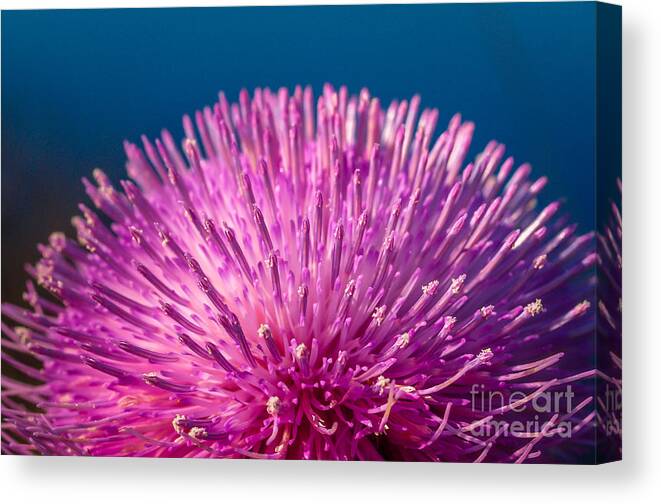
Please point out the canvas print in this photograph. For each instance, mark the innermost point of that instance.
(300, 234)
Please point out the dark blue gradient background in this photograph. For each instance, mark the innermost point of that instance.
(76, 83)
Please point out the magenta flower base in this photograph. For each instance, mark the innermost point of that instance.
(326, 277)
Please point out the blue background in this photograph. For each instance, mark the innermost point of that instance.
(76, 83)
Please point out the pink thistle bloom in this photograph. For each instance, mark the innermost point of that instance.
(306, 280)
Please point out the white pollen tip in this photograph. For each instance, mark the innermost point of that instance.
(485, 354)
(403, 340)
(534, 308)
(381, 383)
(379, 314)
(457, 284)
(273, 405)
(175, 423)
(430, 288)
(263, 330)
(301, 350)
(449, 322)
(198, 433)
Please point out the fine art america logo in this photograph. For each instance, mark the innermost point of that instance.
(552, 412)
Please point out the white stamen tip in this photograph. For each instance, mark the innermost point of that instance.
(534, 308)
(273, 405)
(457, 284)
(381, 383)
(430, 288)
(485, 355)
(175, 423)
(379, 314)
(197, 433)
(263, 330)
(301, 351)
(403, 340)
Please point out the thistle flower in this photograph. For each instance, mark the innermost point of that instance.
(305, 281)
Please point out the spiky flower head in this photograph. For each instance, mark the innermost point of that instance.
(301, 279)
